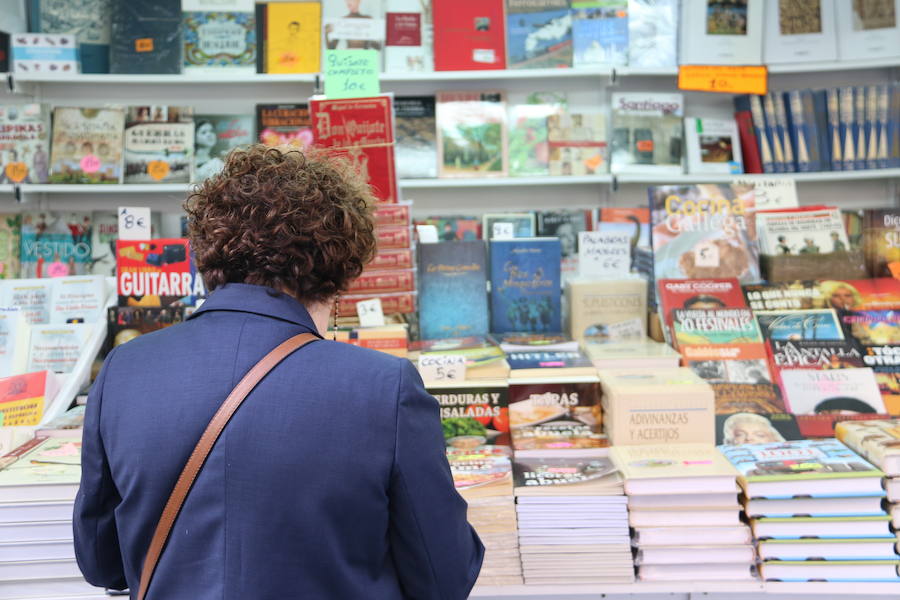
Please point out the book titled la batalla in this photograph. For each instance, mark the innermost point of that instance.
(157, 273)
(362, 130)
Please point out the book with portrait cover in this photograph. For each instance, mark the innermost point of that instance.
(87, 145)
(288, 37)
(157, 273)
(452, 289)
(146, 37)
(219, 34)
(740, 428)
(55, 244)
(810, 391)
(159, 144)
(525, 285)
(356, 25)
(538, 34)
(556, 415)
(696, 294)
(469, 35)
(214, 137)
(284, 125)
(565, 225)
(24, 143)
(409, 36)
(472, 134)
(362, 129)
(881, 242)
(416, 146)
(88, 20)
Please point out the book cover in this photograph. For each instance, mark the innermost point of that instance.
(87, 145)
(452, 289)
(474, 413)
(565, 225)
(219, 34)
(24, 398)
(549, 360)
(697, 294)
(214, 137)
(652, 33)
(801, 232)
(87, 20)
(563, 475)
(453, 228)
(353, 26)
(416, 145)
(387, 260)
(291, 43)
(482, 472)
(156, 273)
(694, 327)
(146, 37)
(393, 215)
(738, 429)
(721, 32)
(868, 29)
(498, 225)
(813, 354)
(159, 144)
(834, 128)
(797, 460)
(471, 134)
(284, 124)
(605, 311)
(529, 152)
(753, 104)
(14, 336)
(670, 461)
(810, 391)
(25, 143)
(861, 134)
(10, 245)
(847, 106)
(578, 143)
(876, 440)
(52, 461)
(600, 32)
(525, 285)
(647, 133)
(776, 132)
(104, 233)
(383, 282)
(124, 323)
(712, 146)
(30, 295)
(555, 416)
(409, 36)
(799, 31)
(810, 324)
(873, 327)
(58, 347)
(634, 222)
(469, 35)
(702, 232)
(757, 398)
(538, 34)
(50, 54)
(881, 241)
(804, 133)
(872, 130)
(403, 303)
(362, 129)
(797, 295)
(78, 299)
(393, 238)
(55, 244)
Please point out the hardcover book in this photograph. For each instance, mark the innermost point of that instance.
(471, 134)
(813, 324)
(416, 146)
(219, 34)
(600, 32)
(801, 31)
(647, 133)
(156, 273)
(469, 35)
(658, 464)
(452, 289)
(354, 26)
(738, 429)
(289, 34)
(409, 36)
(57, 348)
(578, 143)
(214, 137)
(712, 146)
(538, 34)
(87, 145)
(808, 391)
(606, 311)
(876, 440)
(284, 124)
(716, 32)
(25, 142)
(55, 244)
(529, 152)
(10, 245)
(555, 416)
(159, 144)
(525, 285)
(30, 295)
(146, 37)
(87, 20)
(652, 33)
(473, 413)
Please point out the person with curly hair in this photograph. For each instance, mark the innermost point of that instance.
(331, 480)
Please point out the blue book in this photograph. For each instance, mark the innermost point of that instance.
(763, 134)
(893, 137)
(599, 34)
(783, 127)
(538, 34)
(804, 131)
(452, 289)
(862, 138)
(89, 20)
(774, 133)
(820, 124)
(834, 129)
(884, 115)
(848, 128)
(872, 127)
(526, 285)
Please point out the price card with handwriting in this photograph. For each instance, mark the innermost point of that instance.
(503, 231)
(723, 79)
(771, 192)
(370, 313)
(603, 254)
(442, 367)
(134, 223)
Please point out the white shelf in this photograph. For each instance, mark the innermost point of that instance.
(105, 188)
(178, 79)
(643, 178)
(849, 65)
(458, 182)
(495, 74)
(593, 591)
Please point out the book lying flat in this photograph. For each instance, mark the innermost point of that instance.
(679, 536)
(831, 570)
(815, 507)
(876, 440)
(828, 549)
(696, 572)
(822, 527)
(677, 555)
(717, 517)
(674, 469)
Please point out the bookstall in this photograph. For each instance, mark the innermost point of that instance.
(705, 376)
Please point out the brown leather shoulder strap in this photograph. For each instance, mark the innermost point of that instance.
(204, 447)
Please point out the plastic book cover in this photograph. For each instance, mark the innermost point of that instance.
(810, 324)
(473, 414)
(159, 144)
(455, 228)
(58, 347)
(55, 244)
(292, 42)
(452, 284)
(496, 225)
(801, 232)
(529, 152)
(24, 143)
(54, 461)
(88, 20)
(796, 460)
(703, 231)
(600, 32)
(284, 125)
(673, 461)
(471, 134)
(571, 473)
(87, 145)
(177, 282)
(10, 245)
(409, 36)
(578, 143)
(538, 34)
(219, 34)
(146, 37)
(416, 146)
(525, 285)
(809, 391)
(214, 137)
(469, 35)
(555, 416)
(738, 429)
(652, 33)
(647, 133)
(357, 25)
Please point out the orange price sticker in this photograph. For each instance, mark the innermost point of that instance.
(158, 169)
(16, 172)
(894, 267)
(723, 79)
(143, 45)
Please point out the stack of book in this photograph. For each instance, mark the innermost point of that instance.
(573, 520)
(38, 483)
(815, 507)
(682, 503)
(483, 477)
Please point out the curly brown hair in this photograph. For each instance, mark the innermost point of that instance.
(297, 221)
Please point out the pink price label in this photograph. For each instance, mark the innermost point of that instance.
(90, 163)
(57, 269)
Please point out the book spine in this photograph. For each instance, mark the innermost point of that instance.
(820, 125)
(848, 129)
(20, 451)
(747, 134)
(262, 11)
(834, 129)
(765, 142)
(784, 131)
(884, 102)
(774, 132)
(872, 127)
(799, 136)
(859, 108)
(894, 127)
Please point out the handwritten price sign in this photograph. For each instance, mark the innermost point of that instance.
(370, 313)
(134, 223)
(442, 367)
(723, 79)
(604, 255)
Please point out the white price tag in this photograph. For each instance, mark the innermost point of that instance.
(771, 192)
(503, 231)
(134, 223)
(706, 255)
(603, 254)
(428, 234)
(484, 55)
(442, 367)
(632, 329)
(370, 313)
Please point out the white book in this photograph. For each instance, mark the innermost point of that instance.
(409, 37)
(14, 336)
(25, 512)
(715, 32)
(31, 295)
(713, 146)
(78, 299)
(831, 570)
(38, 569)
(677, 518)
(839, 527)
(43, 550)
(57, 347)
(36, 531)
(676, 555)
(673, 536)
(849, 549)
(696, 572)
(814, 507)
(809, 391)
(868, 30)
(800, 31)
(66, 587)
(359, 27)
(682, 501)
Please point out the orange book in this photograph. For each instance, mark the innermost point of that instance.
(25, 398)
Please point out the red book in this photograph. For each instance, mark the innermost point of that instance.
(469, 35)
(393, 238)
(387, 260)
(383, 282)
(749, 145)
(156, 273)
(392, 215)
(697, 294)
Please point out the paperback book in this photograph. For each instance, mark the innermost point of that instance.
(469, 35)
(473, 413)
(538, 34)
(409, 37)
(529, 152)
(712, 146)
(32, 296)
(219, 34)
(738, 429)
(157, 273)
(58, 347)
(525, 285)
(652, 33)
(416, 145)
(793, 325)
(354, 26)
(288, 37)
(721, 33)
(647, 133)
(809, 391)
(214, 137)
(26, 397)
(452, 284)
(565, 225)
(124, 323)
(87, 20)
(607, 311)
(10, 245)
(557, 416)
(799, 32)
(146, 37)
(578, 143)
(284, 124)
(600, 30)
(87, 145)
(24, 143)
(881, 241)
(471, 134)
(159, 144)
(55, 244)
(803, 231)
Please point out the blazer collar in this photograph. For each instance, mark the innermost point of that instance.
(260, 300)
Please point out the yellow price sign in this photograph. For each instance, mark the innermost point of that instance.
(158, 169)
(723, 79)
(16, 171)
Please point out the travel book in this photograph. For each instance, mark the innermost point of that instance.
(284, 124)
(157, 272)
(471, 134)
(525, 285)
(25, 142)
(214, 137)
(288, 37)
(409, 36)
(87, 20)
(538, 34)
(473, 413)
(600, 32)
(452, 289)
(878, 441)
(555, 415)
(674, 469)
(55, 244)
(159, 144)
(647, 133)
(219, 34)
(809, 391)
(578, 143)
(146, 37)
(87, 145)
(469, 35)
(416, 145)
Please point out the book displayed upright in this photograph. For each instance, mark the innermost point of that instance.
(14, 336)
(10, 245)
(452, 282)
(55, 244)
(416, 145)
(471, 134)
(214, 137)
(607, 310)
(159, 144)
(712, 146)
(219, 34)
(538, 34)
(647, 133)
(881, 242)
(409, 36)
(58, 347)
(25, 140)
(157, 272)
(525, 285)
(600, 33)
(353, 25)
(146, 37)
(555, 414)
(469, 35)
(87, 20)
(868, 29)
(652, 33)
(288, 37)
(715, 32)
(799, 31)
(87, 145)
(578, 143)
(284, 125)
(32, 296)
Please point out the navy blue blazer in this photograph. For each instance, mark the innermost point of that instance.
(331, 481)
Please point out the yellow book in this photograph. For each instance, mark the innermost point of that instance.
(292, 32)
